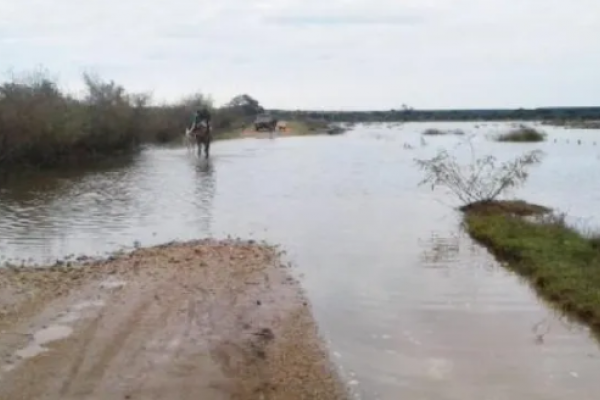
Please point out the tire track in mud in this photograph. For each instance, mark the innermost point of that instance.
(175, 352)
(87, 381)
(80, 350)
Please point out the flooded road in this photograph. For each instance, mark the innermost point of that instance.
(410, 305)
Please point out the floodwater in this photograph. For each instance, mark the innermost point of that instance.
(410, 306)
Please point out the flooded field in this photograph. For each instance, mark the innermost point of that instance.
(411, 307)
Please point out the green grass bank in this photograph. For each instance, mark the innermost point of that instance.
(562, 264)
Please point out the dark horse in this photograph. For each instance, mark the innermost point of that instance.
(202, 135)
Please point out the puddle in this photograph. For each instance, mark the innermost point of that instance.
(42, 337)
(30, 351)
(8, 367)
(112, 284)
(52, 333)
(88, 304)
(75, 312)
(68, 318)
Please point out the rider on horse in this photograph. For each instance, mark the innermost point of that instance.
(202, 116)
(200, 132)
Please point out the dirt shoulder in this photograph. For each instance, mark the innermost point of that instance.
(205, 319)
(561, 263)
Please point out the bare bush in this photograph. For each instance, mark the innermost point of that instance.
(484, 179)
(32, 111)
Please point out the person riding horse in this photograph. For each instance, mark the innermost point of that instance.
(201, 116)
(201, 120)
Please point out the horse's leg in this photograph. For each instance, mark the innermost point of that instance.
(207, 147)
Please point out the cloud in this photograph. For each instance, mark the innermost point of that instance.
(311, 54)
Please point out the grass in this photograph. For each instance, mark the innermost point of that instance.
(439, 132)
(512, 207)
(307, 127)
(434, 132)
(522, 134)
(575, 124)
(299, 128)
(293, 128)
(562, 264)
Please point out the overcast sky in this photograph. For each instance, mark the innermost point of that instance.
(325, 54)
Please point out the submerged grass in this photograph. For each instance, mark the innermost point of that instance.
(439, 132)
(307, 127)
(561, 263)
(574, 124)
(522, 134)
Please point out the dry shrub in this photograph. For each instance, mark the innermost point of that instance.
(484, 179)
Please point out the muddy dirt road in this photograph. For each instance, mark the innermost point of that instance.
(209, 320)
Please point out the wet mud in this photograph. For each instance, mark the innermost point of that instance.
(204, 319)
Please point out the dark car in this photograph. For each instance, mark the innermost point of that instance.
(265, 122)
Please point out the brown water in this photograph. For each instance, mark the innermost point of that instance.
(411, 307)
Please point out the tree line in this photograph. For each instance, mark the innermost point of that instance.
(407, 114)
(43, 126)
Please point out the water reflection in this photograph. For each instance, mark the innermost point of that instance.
(205, 168)
(440, 251)
(205, 187)
(53, 215)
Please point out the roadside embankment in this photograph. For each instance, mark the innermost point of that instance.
(205, 319)
(561, 263)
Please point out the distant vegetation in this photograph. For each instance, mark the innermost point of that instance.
(522, 134)
(576, 123)
(408, 114)
(434, 132)
(43, 126)
(439, 132)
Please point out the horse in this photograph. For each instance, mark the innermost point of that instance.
(202, 136)
(198, 136)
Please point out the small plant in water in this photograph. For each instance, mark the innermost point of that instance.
(439, 132)
(481, 181)
(434, 132)
(522, 134)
